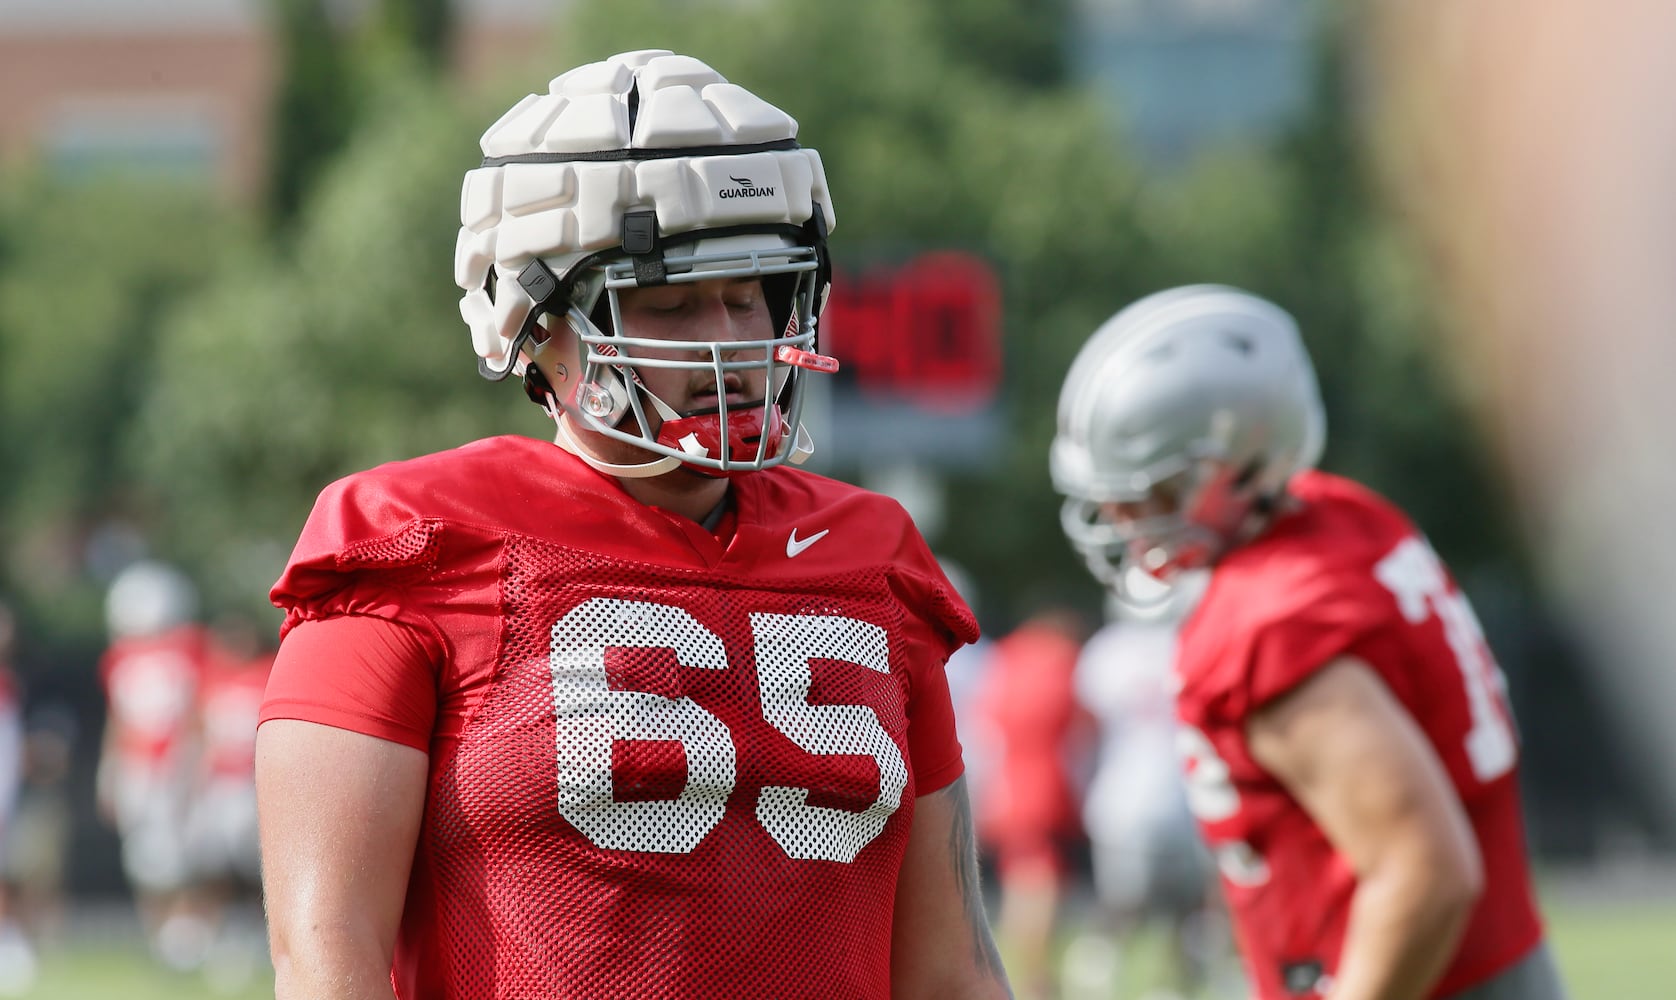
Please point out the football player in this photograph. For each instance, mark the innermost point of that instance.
(1148, 862)
(221, 830)
(1348, 748)
(1029, 815)
(152, 672)
(18, 964)
(642, 711)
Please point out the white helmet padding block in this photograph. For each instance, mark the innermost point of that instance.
(562, 169)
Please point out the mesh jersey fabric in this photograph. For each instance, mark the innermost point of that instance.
(1347, 574)
(662, 766)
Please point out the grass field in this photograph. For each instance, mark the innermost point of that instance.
(124, 972)
(1608, 949)
(1616, 951)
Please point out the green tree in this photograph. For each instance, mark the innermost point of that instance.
(88, 271)
(1016, 42)
(422, 28)
(336, 351)
(1364, 301)
(329, 63)
(314, 105)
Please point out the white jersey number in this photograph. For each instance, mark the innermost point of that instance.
(592, 716)
(784, 646)
(1212, 797)
(1210, 792)
(1415, 576)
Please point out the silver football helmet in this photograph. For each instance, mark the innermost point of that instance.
(1180, 423)
(647, 168)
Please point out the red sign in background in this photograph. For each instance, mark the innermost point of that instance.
(926, 333)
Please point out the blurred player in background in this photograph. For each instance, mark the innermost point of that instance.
(1349, 751)
(17, 954)
(38, 835)
(966, 669)
(1150, 865)
(642, 712)
(152, 673)
(222, 826)
(1028, 817)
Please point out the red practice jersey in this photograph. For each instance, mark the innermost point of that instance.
(1031, 812)
(151, 690)
(229, 707)
(1347, 574)
(663, 763)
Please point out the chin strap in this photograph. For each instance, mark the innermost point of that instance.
(541, 391)
(803, 445)
(1151, 599)
(566, 439)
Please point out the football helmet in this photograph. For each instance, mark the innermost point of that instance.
(149, 598)
(1180, 423)
(644, 169)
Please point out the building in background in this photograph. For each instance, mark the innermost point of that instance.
(1184, 74)
(179, 89)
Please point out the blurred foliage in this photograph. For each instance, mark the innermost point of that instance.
(328, 66)
(313, 107)
(1016, 42)
(86, 275)
(233, 373)
(423, 29)
(339, 350)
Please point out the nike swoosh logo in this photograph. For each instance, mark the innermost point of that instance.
(795, 545)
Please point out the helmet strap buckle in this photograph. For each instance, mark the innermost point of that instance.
(640, 242)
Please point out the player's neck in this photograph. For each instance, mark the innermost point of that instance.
(1259, 524)
(680, 492)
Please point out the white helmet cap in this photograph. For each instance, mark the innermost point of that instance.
(148, 598)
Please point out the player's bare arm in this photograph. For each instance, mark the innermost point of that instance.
(339, 815)
(942, 942)
(963, 854)
(1346, 749)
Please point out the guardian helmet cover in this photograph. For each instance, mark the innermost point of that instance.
(644, 169)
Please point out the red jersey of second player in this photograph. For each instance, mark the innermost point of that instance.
(663, 763)
(1347, 574)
